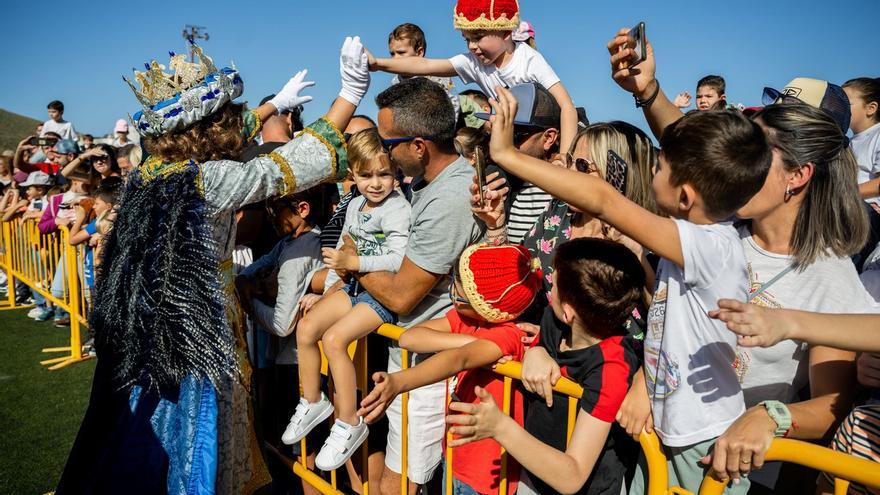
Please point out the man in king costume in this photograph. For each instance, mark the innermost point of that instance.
(168, 408)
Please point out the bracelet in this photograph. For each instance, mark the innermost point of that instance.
(644, 103)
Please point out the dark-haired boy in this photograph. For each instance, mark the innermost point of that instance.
(712, 163)
(710, 94)
(56, 122)
(408, 40)
(596, 284)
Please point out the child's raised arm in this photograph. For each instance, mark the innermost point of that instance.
(565, 471)
(568, 124)
(433, 336)
(440, 366)
(587, 193)
(413, 66)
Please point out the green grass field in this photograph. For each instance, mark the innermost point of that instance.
(40, 410)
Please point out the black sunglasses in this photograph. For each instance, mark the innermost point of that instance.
(389, 144)
(772, 96)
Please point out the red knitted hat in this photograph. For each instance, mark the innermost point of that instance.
(499, 281)
(490, 15)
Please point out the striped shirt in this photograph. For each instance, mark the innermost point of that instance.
(330, 233)
(528, 205)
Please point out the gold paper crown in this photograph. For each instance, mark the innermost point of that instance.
(158, 86)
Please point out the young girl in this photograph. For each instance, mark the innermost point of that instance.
(864, 97)
(377, 222)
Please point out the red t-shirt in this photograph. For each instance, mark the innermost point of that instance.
(479, 463)
(45, 167)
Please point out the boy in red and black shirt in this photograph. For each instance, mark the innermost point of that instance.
(596, 284)
(493, 286)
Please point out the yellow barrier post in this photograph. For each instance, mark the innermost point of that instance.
(59, 250)
(6, 262)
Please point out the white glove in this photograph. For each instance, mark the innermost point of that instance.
(289, 97)
(355, 71)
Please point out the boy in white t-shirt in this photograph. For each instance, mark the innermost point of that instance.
(712, 163)
(56, 122)
(493, 58)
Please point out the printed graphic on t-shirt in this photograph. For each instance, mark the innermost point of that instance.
(765, 299)
(367, 245)
(662, 371)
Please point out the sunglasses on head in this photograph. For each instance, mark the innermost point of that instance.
(772, 96)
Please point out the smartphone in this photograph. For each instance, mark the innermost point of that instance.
(42, 141)
(616, 172)
(480, 166)
(637, 33)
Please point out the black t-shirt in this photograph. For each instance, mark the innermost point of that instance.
(605, 372)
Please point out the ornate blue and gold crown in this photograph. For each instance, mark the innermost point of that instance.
(195, 90)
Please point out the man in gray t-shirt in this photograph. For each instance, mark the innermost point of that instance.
(417, 125)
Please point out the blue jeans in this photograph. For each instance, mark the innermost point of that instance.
(458, 487)
(358, 294)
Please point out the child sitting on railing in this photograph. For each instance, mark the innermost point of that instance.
(378, 223)
(596, 283)
(493, 285)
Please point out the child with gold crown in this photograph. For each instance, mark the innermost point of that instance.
(168, 409)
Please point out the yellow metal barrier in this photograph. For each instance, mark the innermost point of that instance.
(842, 466)
(510, 371)
(34, 258)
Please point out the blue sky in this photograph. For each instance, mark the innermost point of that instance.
(78, 51)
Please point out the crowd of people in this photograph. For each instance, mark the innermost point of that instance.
(719, 288)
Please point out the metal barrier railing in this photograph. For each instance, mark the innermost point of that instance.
(35, 259)
(842, 466)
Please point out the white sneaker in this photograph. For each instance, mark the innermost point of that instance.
(305, 418)
(34, 312)
(343, 441)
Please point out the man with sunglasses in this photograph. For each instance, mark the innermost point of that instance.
(417, 126)
(535, 133)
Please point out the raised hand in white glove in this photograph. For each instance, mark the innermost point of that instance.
(289, 97)
(355, 70)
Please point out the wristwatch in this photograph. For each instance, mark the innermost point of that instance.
(780, 414)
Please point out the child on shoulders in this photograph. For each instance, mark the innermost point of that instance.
(493, 58)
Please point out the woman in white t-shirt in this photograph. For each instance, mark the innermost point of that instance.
(800, 230)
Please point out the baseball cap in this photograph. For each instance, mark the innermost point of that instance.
(121, 126)
(66, 146)
(37, 179)
(817, 93)
(537, 107)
